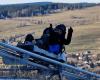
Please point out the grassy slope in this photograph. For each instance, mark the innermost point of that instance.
(84, 37)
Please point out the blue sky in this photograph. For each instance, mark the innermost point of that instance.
(28, 1)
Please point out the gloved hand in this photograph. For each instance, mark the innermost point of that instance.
(70, 30)
(50, 25)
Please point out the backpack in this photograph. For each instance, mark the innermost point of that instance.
(54, 48)
(61, 27)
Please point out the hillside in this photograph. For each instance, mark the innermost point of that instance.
(86, 24)
(86, 35)
(39, 8)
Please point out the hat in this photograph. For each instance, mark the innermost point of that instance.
(61, 27)
(29, 37)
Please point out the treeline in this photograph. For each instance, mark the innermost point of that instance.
(39, 8)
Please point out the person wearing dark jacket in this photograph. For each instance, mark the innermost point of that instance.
(43, 42)
(57, 37)
(60, 31)
(28, 43)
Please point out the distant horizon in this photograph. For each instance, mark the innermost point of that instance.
(11, 2)
(43, 1)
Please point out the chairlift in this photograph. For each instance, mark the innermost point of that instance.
(14, 55)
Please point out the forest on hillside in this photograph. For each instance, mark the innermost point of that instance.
(39, 8)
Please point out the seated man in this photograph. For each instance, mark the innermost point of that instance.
(43, 42)
(57, 39)
(28, 43)
(58, 35)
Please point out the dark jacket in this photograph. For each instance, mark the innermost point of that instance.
(55, 38)
(60, 39)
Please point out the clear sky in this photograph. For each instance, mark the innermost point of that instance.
(29, 1)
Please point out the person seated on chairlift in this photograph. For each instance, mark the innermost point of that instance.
(43, 41)
(28, 43)
(57, 39)
(56, 36)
